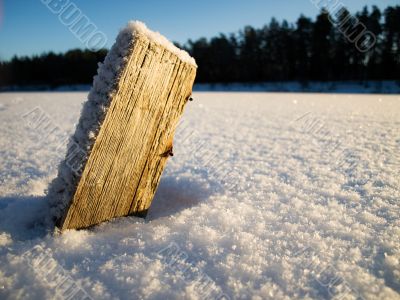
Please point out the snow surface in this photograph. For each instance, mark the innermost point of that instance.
(268, 196)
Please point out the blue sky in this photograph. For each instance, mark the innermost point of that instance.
(28, 27)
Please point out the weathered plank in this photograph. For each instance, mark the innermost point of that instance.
(123, 170)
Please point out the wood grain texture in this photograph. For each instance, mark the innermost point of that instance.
(124, 167)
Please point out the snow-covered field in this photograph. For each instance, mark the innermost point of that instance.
(268, 196)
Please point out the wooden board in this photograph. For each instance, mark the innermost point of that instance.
(123, 170)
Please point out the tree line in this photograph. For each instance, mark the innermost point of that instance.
(50, 69)
(317, 49)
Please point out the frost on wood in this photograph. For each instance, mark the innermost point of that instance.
(116, 156)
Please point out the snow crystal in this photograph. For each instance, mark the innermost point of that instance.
(5, 239)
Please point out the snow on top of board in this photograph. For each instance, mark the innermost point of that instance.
(138, 27)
